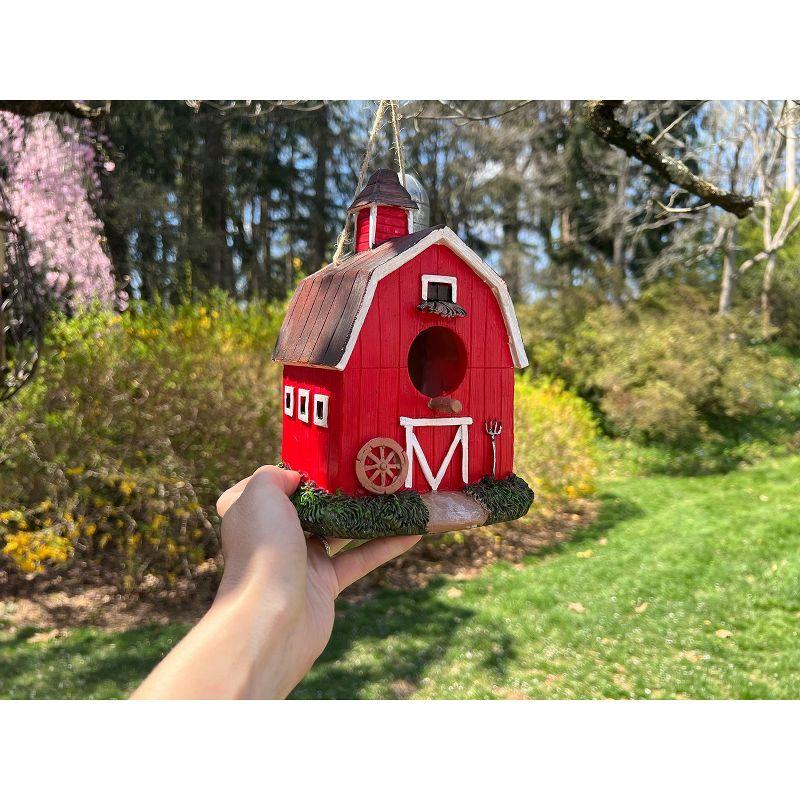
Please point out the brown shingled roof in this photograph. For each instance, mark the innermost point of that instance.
(383, 188)
(323, 311)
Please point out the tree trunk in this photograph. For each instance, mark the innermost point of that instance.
(187, 239)
(511, 256)
(265, 247)
(730, 273)
(212, 204)
(319, 214)
(511, 260)
(791, 158)
(766, 296)
(619, 278)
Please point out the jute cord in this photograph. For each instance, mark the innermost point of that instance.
(341, 242)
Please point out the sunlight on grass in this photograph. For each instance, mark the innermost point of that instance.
(685, 587)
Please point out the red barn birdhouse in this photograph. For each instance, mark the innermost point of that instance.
(398, 381)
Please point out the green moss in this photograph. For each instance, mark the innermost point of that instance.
(505, 499)
(341, 516)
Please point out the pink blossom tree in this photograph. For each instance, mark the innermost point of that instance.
(50, 175)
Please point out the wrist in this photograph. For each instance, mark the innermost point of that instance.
(260, 619)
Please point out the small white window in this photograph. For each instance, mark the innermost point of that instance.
(321, 410)
(302, 405)
(439, 287)
(288, 401)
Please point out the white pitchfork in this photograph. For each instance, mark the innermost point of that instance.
(494, 428)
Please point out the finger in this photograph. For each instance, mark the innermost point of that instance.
(285, 479)
(355, 564)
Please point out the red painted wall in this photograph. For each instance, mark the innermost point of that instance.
(362, 230)
(390, 222)
(307, 447)
(374, 391)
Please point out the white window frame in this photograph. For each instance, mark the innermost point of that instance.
(426, 279)
(302, 394)
(288, 394)
(321, 419)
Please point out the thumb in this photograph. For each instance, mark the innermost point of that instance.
(285, 480)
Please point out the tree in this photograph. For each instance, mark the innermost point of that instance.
(600, 115)
(50, 173)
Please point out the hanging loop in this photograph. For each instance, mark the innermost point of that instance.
(383, 106)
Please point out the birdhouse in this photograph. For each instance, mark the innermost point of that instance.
(398, 381)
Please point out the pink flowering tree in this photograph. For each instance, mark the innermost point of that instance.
(50, 173)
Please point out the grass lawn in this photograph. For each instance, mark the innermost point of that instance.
(685, 587)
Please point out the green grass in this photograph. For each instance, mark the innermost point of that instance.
(671, 561)
(85, 663)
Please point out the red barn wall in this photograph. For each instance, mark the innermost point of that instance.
(376, 389)
(390, 222)
(362, 230)
(307, 447)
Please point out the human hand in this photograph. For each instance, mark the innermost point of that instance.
(290, 581)
(273, 613)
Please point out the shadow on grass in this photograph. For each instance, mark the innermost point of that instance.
(86, 663)
(381, 647)
(387, 640)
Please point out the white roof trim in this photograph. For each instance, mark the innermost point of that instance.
(446, 237)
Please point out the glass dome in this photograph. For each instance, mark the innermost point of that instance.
(421, 216)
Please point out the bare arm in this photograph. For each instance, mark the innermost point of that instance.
(274, 611)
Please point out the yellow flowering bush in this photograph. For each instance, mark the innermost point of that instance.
(113, 457)
(554, 442)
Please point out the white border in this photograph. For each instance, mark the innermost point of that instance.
(288, 392)
(639, 749)
(301, 393)
(448, 238)
(426, 279)
(322, 420)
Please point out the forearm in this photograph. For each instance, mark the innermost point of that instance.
(238, 650)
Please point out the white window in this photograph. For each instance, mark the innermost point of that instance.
(302, 405)
(439, 287)
(321, 410)
(288, 401)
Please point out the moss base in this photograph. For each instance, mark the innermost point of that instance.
(340, 516)
(506, 499)
(343, 517)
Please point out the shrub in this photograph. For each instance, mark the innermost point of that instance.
(669, 369)
(117, 451)
(554, 442)
(113, 458)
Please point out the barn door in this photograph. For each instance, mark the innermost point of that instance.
(414, 449)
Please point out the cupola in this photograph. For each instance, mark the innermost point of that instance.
(383, 209)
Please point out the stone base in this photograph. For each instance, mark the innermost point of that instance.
(452, 511)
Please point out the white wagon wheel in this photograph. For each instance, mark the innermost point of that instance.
(381, 466)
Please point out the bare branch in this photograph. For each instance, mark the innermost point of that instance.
(686, 210)
(250, 108)
(599, 115)
(678, 120)
(460, 114)
(75, 108)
